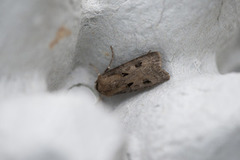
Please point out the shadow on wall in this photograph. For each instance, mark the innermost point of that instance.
(229, 60)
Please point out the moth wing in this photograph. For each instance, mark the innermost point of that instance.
(142, 72)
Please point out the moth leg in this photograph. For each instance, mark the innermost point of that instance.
(95, 68)
(110, 60)
(80, 84)
(85, 85)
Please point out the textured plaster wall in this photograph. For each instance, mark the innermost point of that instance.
(47, 46)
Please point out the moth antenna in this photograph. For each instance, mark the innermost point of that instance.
(95, 68)
(110, 60)
(80, 84)
(85, 85)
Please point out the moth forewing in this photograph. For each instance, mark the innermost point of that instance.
(139, 73)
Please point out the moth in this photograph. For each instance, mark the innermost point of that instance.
(139, 73)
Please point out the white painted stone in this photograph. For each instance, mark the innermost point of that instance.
(58, 127)
(34, 122)
(193, 116)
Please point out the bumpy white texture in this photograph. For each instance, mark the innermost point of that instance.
(57, 127)
(49, 45)
(199, 121)
(37, 44)
(195, 114)
(179, 30)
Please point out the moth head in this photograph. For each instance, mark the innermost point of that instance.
(108, 85)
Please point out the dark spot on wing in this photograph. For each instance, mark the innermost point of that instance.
(124, 74)
(129, 84)
(146, 81)
(139, 64)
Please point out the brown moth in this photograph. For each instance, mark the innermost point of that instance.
(142, 72)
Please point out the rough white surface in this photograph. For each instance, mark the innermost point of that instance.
(193, 116)
(34, 122)
(57, 127)
(199, 121)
